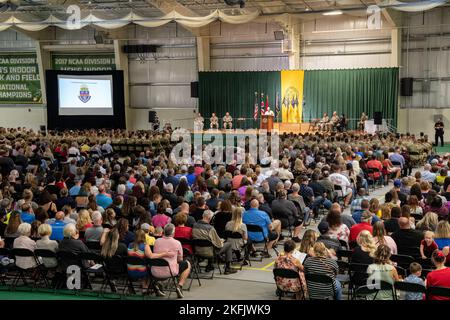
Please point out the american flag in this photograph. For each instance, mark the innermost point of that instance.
(262, 104)
(255, 113)
(267, 103)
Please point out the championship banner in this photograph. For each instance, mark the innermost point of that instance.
(292, 95)
(83, 62)
(19, 79)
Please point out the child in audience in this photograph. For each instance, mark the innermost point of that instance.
(148, 229)
(415, 270)
(428, 245)
(158, 232)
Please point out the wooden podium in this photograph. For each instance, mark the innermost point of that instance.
(267, 123)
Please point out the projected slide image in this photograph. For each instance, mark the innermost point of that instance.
(88, 95)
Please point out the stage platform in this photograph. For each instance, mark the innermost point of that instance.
(281, 128)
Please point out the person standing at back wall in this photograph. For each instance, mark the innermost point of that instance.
(439, 132)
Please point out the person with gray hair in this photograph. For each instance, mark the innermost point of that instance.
(24, 242)
(73, 244)
(177, 266)
(427, 175)
(203, 230)
(95, 232)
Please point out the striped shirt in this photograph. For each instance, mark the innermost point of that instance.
(323, 266)
(137, 271)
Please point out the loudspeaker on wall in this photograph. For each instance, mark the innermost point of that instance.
(194, 89)
(406, 87)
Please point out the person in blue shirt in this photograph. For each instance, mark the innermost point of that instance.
(191, 176)
(102, 199)
(73, 192)
(414, 277)
(271, 229)
(27, 214)
(171, 178)
(58, 226)
(365, 205)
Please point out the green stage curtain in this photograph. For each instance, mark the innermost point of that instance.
(234, 92)
(351, 92)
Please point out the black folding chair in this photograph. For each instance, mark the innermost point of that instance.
(258, 229)
(409, 287)
(44, 270)
(96, 270)
(171, 280)
(189, 256)
(238, 236)
(9, 242)
(132, 261)
(205, 244)
(66, 259)
(313, 280)
(438, 291)
(344, 254)
(358, 277)
(22, 273)
(402, 260)
(5, 253)
(367, 290)
(115, 269)
(94, 245)
(286, 274)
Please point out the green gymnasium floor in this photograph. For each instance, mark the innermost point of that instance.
(444, 149)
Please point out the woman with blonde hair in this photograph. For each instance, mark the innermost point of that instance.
(442, 235)
(321, 263)
(429, 222)
(374, 207)
(236, 225)
(363, 253)
(380, 237)
(308, 241)
(84, 220)
(385, 211)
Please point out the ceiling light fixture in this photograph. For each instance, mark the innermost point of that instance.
(333, 13)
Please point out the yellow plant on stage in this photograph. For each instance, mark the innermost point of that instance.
(292, 95)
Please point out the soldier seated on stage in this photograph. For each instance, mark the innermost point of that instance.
(334, 121)
(323, 123)
(227, 121)
(214, 121)
(199, 123)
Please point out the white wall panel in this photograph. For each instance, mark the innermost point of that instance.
(250, 64)
(346, 62)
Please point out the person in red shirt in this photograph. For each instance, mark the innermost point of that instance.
(440, 277)
(373, 163)
(366, 224)
(181, 231)
(428, 245)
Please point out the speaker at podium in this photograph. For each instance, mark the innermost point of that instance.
(377, 118)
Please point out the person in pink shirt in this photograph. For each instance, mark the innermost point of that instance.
(177, 266)
(236, 182)
(160, 219)
(198, 168)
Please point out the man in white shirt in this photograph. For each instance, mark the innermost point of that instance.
(284, 173)
(427, 175)
(338, 179)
